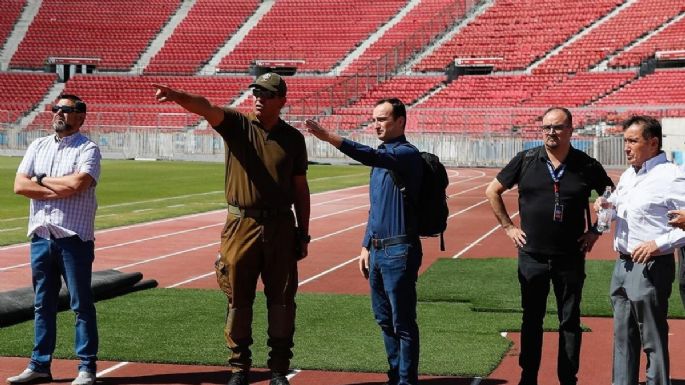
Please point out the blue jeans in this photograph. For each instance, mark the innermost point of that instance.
(392, 276)
(71, 258)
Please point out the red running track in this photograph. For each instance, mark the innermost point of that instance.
(180, 252)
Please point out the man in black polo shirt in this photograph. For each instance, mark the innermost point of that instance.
(554, 181)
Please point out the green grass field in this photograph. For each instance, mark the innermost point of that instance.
(464, 304)
(138, 191)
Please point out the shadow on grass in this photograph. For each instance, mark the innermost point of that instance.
(194, 378)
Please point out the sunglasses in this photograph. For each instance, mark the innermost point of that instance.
(64, 109)
(263, 94)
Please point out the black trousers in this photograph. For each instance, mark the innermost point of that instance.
(567, 274)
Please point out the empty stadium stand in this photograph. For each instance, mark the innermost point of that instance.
(92, 29)
(671, 38)
(128, 101)
(21, 92)
(663, 87)
(416, 30)
(520, 32)
(319, 32)
(208, 25)
(612, 35)
(11, 9)
(322, 33)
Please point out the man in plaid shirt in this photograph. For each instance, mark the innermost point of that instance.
(59, 173)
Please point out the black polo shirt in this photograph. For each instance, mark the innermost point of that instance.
(544, 235)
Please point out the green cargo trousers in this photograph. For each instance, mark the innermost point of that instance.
(250, 247)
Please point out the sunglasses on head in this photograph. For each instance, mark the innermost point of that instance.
(263, 94)
(65, 109)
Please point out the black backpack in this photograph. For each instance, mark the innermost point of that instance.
(431, 206)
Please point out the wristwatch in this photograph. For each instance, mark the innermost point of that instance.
(39, 178)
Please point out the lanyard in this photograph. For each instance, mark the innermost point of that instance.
(556, 177)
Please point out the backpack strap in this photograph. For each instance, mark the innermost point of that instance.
(409, 205)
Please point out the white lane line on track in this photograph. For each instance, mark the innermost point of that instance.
(294, 372)
(190, 280)
(472, 244)
(131, 242)
(319, 275)
(487, 234)
(166, 255)
(103, 373)
(332, 269)
(153, 223)
(220, 224)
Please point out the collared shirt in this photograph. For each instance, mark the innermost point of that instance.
(74, 215)
(387, 214)
(536, 198)
(642, 199)
(260, 164)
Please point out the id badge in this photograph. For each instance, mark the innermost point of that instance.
(558, 212)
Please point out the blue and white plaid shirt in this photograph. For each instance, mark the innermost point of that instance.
(70, 216)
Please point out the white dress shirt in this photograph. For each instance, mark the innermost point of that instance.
(642, 200)
(74, 215)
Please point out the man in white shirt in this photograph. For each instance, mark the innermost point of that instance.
(59, 173)
(643, 275)
(677, 219)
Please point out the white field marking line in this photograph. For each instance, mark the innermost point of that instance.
(128, 227)
(487, 234)
(141, 210)
(12, 219)
(339, 199)
(189, 280)
(158, 199)
(293, 373)
(105, 372)
(14, 266)
(472, 244)
(173, 206)
(131, 242)
(12, 229)
(153, 223)
(158, 236)
(166, 256)
(219, 224)
(332, 269)
(202, 276)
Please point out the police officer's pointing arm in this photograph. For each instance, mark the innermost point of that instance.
(494, 193)
(193, 103)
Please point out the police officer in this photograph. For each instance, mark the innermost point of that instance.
(266, 165)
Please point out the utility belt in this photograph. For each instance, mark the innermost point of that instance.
(258, 213)
(628, 257)
(381, 243)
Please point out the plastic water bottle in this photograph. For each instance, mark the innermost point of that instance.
(605, 214)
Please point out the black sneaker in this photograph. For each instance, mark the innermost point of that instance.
(238, 378)
(279, 380)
